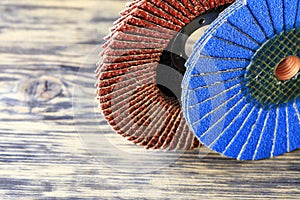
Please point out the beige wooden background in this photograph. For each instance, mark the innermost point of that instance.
(47, 54)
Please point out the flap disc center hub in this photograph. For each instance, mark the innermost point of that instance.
(171, 67)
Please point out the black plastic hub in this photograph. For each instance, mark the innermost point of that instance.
(171, 68)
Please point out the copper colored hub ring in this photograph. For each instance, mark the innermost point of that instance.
(288, 68)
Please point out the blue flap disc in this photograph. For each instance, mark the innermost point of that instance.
(241, 91)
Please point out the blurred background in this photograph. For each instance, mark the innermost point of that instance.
(48, 51)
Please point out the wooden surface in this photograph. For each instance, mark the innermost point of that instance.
(48, 49)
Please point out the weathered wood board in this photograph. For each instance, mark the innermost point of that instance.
(47, 54)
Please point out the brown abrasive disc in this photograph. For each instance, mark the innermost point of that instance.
(141, 43)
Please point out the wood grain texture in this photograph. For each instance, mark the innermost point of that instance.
(47, 53)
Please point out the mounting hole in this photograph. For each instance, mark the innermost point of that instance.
(193, 38)
(288, 68)
(201, 21)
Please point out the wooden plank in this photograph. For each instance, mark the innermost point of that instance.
(48, 50)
